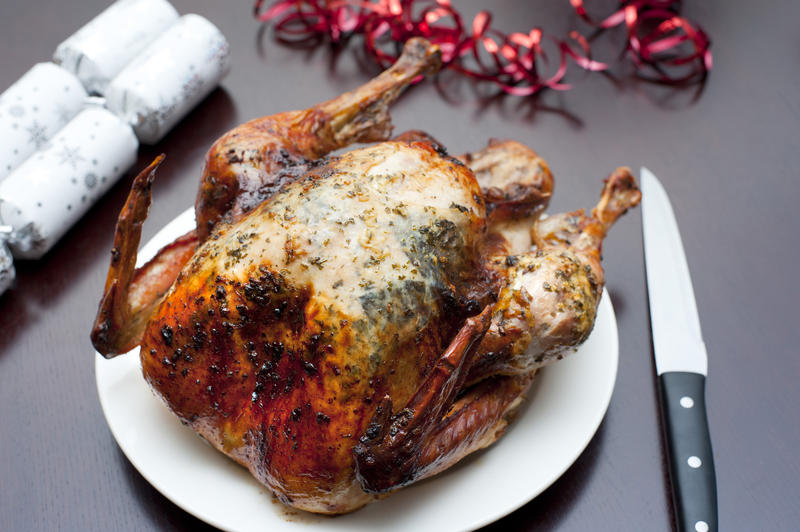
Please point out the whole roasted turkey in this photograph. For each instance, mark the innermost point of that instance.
(344, 325)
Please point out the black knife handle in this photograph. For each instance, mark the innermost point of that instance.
(691, 462)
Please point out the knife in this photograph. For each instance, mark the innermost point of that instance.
(681, 363)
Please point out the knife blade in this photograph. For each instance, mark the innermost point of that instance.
(681, 363)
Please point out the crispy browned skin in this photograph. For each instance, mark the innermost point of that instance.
(284, 332)
(475, 421)
(243, 168)
(249, 163)
(515, 181)
(387, 455)
(346, 325)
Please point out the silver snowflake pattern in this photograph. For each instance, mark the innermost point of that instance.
(70, 156)
(191, 87)
(37, 134)
(17, 111)
(160, 116)
(163, 115)
(218, 53)
(90, 180)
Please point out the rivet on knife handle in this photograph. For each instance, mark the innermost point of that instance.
(691, 462)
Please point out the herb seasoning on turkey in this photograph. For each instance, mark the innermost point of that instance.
(346, 325)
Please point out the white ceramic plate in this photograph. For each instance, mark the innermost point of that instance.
(564, 409)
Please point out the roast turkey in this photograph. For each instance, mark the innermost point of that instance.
(345, 325)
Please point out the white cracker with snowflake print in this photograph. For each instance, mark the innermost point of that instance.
(33, 109)
(170, 77)
(100, 49)
(51, 190)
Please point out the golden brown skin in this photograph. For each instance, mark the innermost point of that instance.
(245, 167)
(347, 325)
(249, 163)
(285, 331)
(515, 181)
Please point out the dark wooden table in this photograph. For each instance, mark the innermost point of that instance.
(729, 156)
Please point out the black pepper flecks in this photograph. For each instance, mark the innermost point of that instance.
(166, 334)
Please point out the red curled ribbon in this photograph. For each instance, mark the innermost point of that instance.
(663, 45)
(657, 39)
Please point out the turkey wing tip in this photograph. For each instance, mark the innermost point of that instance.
(116, 326)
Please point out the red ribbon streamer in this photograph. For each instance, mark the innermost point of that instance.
(663, 45)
